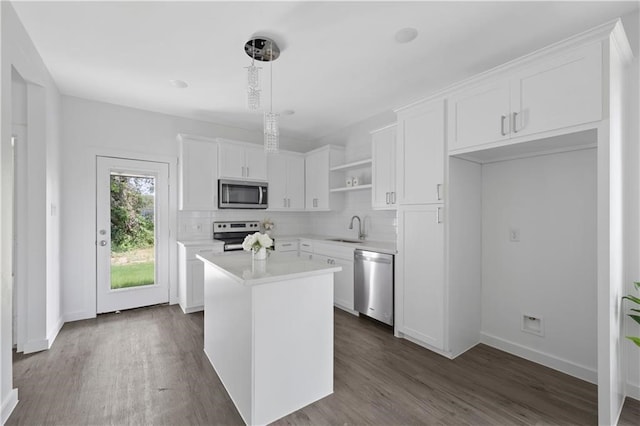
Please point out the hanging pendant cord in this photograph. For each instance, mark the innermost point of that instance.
(271, 75)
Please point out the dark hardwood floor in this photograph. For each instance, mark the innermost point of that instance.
(146, 366)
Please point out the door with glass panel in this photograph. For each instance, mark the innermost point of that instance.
(132, 233)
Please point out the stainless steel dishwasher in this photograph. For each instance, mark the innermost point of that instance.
(373, 281)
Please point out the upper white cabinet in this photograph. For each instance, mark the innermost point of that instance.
(242, 161)
(561, 92)
(420, 154)
(286, 181)
(480, 115)
(318, 180)
(383, 169)
(551, 94)
(197, 173)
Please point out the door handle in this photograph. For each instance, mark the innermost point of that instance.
(438, 186)
(393, 197)
(387, 195)
(515, 128)
(438, 218)
(103, 243)
(502, 119)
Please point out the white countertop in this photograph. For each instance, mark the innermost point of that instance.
(377, 246)
(202, 242)
(239, 266)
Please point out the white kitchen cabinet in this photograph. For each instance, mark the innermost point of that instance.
(197, 173)
(238, 160)
(383, 169)
(336, 254)
(420, 154)
(287, 246)
(480, 115)
(318, 179)
(559, 92)
(191, 275)
(286, 181)
(306, 249)
(420, 282)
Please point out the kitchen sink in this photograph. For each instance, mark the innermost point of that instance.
(342, 240)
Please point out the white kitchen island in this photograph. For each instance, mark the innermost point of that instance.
(268, 331)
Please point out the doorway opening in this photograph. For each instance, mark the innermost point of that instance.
(132, 241)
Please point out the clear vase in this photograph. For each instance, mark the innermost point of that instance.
(261, 254)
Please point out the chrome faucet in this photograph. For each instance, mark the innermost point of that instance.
(361, 234)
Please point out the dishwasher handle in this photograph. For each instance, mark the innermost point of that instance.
(360, 256)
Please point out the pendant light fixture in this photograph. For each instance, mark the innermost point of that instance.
(253, 83)
(266, 50)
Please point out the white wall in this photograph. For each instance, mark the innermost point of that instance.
(91, 128)
(632, 203)
(551, 272)
(42, 315)
(380, 225)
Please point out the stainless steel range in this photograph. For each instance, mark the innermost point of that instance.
(233, 233)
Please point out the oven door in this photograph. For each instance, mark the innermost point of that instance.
(242, 195)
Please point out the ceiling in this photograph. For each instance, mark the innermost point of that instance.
(339, 62)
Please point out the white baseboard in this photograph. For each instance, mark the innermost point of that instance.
(35, 346)
(54, 333)
(8, 404)
(192, 309)
(633, 390)
(77, 316)
(565, 366)
(423, 344)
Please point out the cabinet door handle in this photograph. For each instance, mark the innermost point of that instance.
(515, 128)
(243, 171)
(284, 202)
(438, 218)
(502, 119)
(387, 197)
(286, 245)
(393, 197)
(438, 186)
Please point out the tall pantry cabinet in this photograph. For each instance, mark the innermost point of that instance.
(424, 310)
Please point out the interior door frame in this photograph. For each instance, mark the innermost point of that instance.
(91, 155)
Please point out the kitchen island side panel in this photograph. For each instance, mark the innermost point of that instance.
(227, 335)
(293, 344)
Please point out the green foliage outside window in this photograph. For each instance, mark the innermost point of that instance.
(132, 221)
(635, 312)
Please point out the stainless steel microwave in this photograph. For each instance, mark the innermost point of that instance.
(237, 194)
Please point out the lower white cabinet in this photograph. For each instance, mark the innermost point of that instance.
(334, 254)
(191, 275)
(306, 249)
(286, 247)
(420, 283)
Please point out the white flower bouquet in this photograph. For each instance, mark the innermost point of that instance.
(255, 242)
(268, 224)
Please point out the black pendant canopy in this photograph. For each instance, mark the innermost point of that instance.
(262, 49)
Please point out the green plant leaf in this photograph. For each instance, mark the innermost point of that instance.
(637, 285)
(634, 299)
(635, 310)
(636, 318)
(635, 340)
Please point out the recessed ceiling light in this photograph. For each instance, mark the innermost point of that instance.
(180, 84)
(406, 35)
(288, 112)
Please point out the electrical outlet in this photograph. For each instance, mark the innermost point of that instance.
(514, 235)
